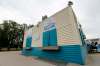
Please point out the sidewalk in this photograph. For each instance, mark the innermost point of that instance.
(13, 58)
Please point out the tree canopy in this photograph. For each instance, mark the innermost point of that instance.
(11, 34)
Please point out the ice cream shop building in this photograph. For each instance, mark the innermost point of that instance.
(58, 38)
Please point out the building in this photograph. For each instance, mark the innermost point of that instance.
(93, 40)
(58, 38)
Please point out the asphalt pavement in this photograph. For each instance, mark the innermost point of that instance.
(14, 58)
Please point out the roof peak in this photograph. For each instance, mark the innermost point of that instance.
(70, 3)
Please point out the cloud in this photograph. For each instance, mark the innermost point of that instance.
(31, 11)
(88, 14)
(9, 13)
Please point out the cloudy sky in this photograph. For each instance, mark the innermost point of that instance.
(30, 12)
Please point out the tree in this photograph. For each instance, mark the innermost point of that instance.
(12, 34)
(4, 36)
(1, 37)
(16, 34)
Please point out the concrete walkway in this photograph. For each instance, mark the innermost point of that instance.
(13, 58)
(92, 60)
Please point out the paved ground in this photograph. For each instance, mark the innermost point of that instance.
(13, 58)
(92, 60)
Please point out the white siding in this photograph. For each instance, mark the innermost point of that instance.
(37, 36)
(67, 31)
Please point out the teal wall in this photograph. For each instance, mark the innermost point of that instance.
(50, 38)
(68, 53)
(75, 53)
(28, 41)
